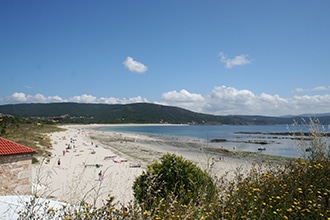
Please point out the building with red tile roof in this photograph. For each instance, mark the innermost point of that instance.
(15, 168)
(8, 147)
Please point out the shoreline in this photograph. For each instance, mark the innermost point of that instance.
(121, 156)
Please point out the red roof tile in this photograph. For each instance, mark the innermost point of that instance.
(8, 147)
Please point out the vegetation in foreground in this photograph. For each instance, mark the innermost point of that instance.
(298, 189)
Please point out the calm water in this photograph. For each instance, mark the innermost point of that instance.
(277, 145)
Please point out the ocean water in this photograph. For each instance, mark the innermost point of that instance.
(238, 137)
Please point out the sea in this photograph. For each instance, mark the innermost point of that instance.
(276, 140)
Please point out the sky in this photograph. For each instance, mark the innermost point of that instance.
(217, 57)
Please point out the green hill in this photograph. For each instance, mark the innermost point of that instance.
(105, 113)
(134, 113)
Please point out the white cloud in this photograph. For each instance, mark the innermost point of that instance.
(83, 99)
(298, 90)
(134, 66)
(107, 100)
(320, 88)
(222, 100)
(112, 100)
(184, 98)
(236, 61)
(55, 99)
(315, 89)
(229, 100)
(19, 97)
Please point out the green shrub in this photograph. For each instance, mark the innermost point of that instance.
(173, 178)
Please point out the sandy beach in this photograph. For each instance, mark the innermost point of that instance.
(71, 174)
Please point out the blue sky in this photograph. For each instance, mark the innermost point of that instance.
(217, 57)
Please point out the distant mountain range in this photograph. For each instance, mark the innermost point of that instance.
(138, 113)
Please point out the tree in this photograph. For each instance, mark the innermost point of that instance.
(173, 178)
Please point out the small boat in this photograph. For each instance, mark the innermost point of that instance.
(308, 149)
(261, 148)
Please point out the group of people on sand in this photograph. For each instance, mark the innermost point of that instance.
(68, 147)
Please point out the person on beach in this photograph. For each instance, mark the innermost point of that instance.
(59, 162)
(100, 175)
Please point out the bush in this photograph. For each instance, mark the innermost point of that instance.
(297, 190)
(173, 178)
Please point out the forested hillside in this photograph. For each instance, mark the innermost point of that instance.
(132, 113)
